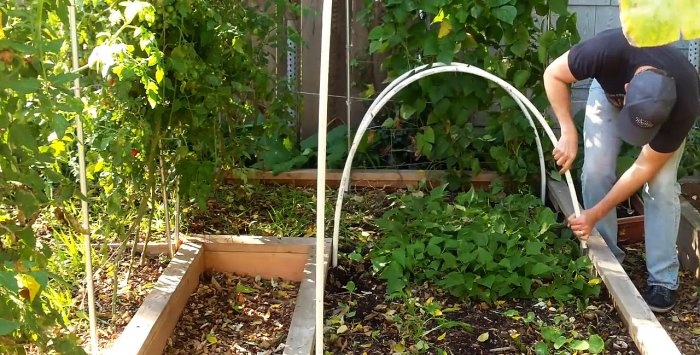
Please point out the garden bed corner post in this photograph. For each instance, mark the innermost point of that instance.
(321, 178)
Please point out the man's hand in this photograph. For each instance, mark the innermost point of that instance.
(582, 226)
(566, 150)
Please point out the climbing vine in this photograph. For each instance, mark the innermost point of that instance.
(501, 36)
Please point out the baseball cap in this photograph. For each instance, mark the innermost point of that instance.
(649, 100)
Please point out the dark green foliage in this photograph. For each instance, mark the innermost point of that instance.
(481, 245)
(500, 36)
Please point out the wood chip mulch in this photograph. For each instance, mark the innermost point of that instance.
(683, 322)
(130, 296)
(231, 314)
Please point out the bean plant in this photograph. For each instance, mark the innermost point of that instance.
(481, 245)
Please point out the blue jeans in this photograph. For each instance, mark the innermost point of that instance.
(661, 194)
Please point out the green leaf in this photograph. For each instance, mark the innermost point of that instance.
(8, 326)
(541, 268)
(505, 13)
(579, 345)
(21, 86)
(596, 344)
(497, 3)
(520, 78)
(60, 79)
(350, 286)
(242, 288)
(21, 136)
(559, 6)
(541, 348)
(8, 281)
(648, 23)
(59, 124)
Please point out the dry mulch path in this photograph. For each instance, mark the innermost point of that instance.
(683, 322)
(230, 314)
(130, 296)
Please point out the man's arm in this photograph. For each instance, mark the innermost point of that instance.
(647, 165)
(557, 78)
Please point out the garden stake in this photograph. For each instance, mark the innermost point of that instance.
(321, 178)
(83, 186)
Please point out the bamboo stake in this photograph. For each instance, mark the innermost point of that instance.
(321, 179)
(83, 187)
(177, 213)
(164, 189)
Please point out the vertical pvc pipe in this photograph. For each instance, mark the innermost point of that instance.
(321, 178)
(348, 46)
(83, 186)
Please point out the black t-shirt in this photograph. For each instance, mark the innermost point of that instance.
(611, 60)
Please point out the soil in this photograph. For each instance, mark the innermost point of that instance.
(691, 192)
(374, 329)
(130, 296)
(683, 322)
(230, 314)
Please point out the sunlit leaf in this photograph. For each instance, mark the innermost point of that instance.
(483, 337)
(440, 16)
(445, 28)
(132, 8)
(342, 329)
(648, 23)
(28, 283)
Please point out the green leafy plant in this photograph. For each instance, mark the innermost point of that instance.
(558, 338)
(481, 246)
(501, 36)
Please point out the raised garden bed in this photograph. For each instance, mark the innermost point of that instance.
(372, 178)
(630, 221)
(280, 258)
(689, 230)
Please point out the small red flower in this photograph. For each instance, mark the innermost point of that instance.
(112, 82)
(134, 152)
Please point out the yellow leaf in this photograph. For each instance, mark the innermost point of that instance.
(28, 283)
(399, 348)
(648, 23)
(440, 16)
(445, 28)
(500, 303)
(437, 313)
(483, 337)
(211, 338)
(152, 60)
(696, 331)
(594, 281)
(159, 75)
(2, 33)
(358, 327)
(442, 337)
(342, 329)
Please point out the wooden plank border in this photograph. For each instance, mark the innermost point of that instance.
(149, 329)
(288, 258)
(651, 338)
(374, 178)
(689, 238)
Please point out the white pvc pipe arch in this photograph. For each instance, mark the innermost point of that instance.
(424, 71)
